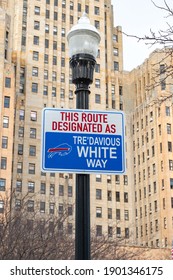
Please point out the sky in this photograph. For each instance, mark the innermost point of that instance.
(137, 17)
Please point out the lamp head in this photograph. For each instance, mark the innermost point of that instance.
(83, 38)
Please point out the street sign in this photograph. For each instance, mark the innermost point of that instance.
(82, 141)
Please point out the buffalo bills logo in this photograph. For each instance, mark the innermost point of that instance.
(61, 150)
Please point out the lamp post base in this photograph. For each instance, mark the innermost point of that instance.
(82, 238)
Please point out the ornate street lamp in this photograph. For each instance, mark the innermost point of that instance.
(83, 40)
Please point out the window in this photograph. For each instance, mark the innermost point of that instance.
(96, 10)
(60, 226)
(47, 28)
(71, 5)
(43, 188)
(62, 62)
(18, 186)
(97, 68)
(2, 184)
(109, 213)
(97, 83)
(34, 87)
(109, 195)
(98, 212)
(32, 150)
(115, 52)
(55, 3)
(126, 232)
(163, 84)
(33, 133)
(36, 25)
(45, 90)
(21, 131)
(167, 110)
(168, 128)
(171, 165)
(21, 115)
(98, 178)
(110, 231)
(19, 167)
(3, 163)
(55, 16)
(97, 24)
(1, 206)
(35, 55)
(63, 47)
(62, 77)
(6, 102)
(35, 71)
(30, 207)
(70, 210)
(115, 38)
(54, 45)
(125, 180)
(97, 98)
(53, 76)
(70, 191)
(5, 122)
(116, 66)
(37, 10)
(125, 197)
(117, 196)
(117, 179)
(54, 60)
(4, 142)
(53, 91)
(31, 169)
(61, 190)
(51, 208)
(63, 32)
(36, 40)
(62, 93)
(162, 68)
(153, 151)
(20, 149)
(98, 194)
(126, 215)
(171, 202)
(169, 146)
(55, 30)
(42, 206)
(156, 225)
(46, 43)
(171, 183)
(118, 232)
(46, 58)
(31, 187)
(71, 19)
(33, 116)
(79, 7)
(69, 228)
(164, 223)
(46, 74)
(60, 209)
(8, 82)
(118, 214)
(98, 230)
(47, 14)
(52, 189)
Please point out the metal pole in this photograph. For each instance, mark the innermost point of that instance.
(82, 75)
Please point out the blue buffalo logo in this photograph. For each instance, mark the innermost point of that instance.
(61, 150)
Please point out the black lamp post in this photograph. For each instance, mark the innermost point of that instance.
(83, 41)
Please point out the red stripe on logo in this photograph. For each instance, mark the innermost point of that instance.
(58, 149)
